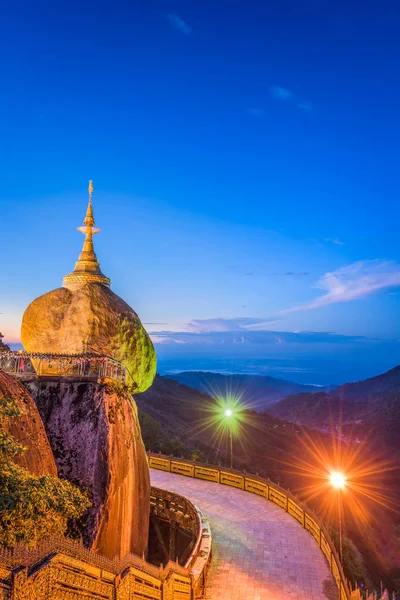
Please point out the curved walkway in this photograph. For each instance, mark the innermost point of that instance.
(259, 551)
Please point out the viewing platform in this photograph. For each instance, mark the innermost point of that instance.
(267, 545)
(89, 367)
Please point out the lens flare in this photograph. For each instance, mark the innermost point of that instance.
(337, 462)
(220, 417)
(338, 480)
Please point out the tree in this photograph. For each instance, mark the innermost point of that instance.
(3, 347)
(32, 507)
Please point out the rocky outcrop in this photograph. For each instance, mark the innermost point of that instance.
(90, 319)
(28, 429)
(94, 432)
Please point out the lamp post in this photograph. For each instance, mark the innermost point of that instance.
(338, 482)
(228, 412)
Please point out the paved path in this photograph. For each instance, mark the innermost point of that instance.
(259, 551)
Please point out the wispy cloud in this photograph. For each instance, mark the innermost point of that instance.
(221, 324)
(230, 334)
(276, 273)
(255, 112)
(335, 241)
(293, 273)
(304, 106)
(316, 242)
(286, 95)
(177, 23)
(358, 280)
(281, 93)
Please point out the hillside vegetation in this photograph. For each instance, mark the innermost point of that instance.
(367, 410)
(32, 507)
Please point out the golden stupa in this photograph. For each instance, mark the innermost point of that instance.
(87, 269)
(86, 316)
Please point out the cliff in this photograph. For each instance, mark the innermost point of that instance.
(94, 432)
(28, 429)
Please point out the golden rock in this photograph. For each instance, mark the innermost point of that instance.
(86, 316)
(90, 320)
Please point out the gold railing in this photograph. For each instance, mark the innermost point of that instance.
(60, 568)
(88, 366)
(271, 491)
(173, 507)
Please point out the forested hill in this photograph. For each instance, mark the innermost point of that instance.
(176, 419)
(369, 409)
(369, 391)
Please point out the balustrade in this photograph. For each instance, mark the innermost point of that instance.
(24, 364)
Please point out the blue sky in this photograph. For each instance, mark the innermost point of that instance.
(245, 159)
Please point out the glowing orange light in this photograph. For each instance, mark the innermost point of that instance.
(338, 480)
(329, 465)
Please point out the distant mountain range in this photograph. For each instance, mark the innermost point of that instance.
(256, 391)
(367, 408)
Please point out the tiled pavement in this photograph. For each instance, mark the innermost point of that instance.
(259, 551)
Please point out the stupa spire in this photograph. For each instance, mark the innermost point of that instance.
(87, 268)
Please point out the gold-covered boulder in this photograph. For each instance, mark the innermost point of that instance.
(86, 317)
(91, 320)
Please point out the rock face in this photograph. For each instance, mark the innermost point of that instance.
(90, 319)
(28, 429)
(94, 432)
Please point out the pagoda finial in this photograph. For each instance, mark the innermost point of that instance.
(89, 219)
(87, 269)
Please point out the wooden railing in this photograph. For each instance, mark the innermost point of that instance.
(270, 491)
(88, 366)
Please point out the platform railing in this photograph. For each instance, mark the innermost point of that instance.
(58, 562)
(270, 491)
(89, 366)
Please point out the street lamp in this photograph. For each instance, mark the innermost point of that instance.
(338, 482)
(228, 412)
